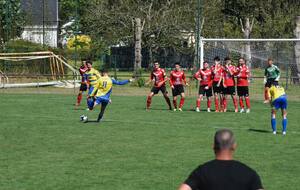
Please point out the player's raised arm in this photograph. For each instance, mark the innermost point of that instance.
(121, 82)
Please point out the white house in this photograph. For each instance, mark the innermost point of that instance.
(41, 21)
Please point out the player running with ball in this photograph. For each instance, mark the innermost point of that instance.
(177, 80)
(102, 91)
(204, 76)
(158, 76)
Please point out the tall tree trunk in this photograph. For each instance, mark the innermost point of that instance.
(247, 28)
(296, 69)
(138, 47)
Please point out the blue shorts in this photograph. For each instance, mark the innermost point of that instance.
(280, 102)
(101, 99)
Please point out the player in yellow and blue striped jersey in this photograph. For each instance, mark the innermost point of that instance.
(91, 75)
(102, 91)
(278, 99)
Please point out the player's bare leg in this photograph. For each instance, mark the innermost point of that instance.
(198, 102)
(168, 100)
(149, 100)
(221, 102)
(175, 102)
(235, 104)
(241, 104)
(181, 101)
(273, 121)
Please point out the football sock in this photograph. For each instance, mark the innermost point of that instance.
(216, 103)
(79, 97)
(103, 106)
(273, 123)
(247, 102)
(235, 103)
(181, 102)
(198, 103)
(241, 102)
(284, 123)
(208, 103)
(149, 98)
(266, 94)
(168, 102)
(175, 104)
(224, 103)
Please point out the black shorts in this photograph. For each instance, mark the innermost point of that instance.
(217, 89)
(177, 90)
(243, 91)
(271, 82)
(205, 92)
(83, 87)
(229, 90)
(163, 89)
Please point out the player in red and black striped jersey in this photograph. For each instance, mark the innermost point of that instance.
(83, 86)
(229, 71)
(204, 76)
(243, 74)
(217, 70)
(177, 80)
(158, 76)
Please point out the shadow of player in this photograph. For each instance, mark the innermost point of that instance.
(259, 130)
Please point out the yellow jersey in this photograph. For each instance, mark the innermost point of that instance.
(103, 86)
(92, 76)
(275, 92)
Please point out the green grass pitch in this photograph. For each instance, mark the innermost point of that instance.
(43, 145)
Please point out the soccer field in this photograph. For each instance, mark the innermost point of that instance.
(43, 145)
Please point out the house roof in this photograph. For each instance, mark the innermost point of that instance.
(33, 10)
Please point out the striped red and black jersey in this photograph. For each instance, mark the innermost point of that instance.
(243, 74)
(205, 75)
(217, 71)
(82, 71)
(228, 75)
(158, 75)
(177, 78)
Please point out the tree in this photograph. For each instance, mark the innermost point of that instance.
(11, 20)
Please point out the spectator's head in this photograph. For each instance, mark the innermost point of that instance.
(270, 62)
(242, 61)
(89, 64)
(177, 66)
(224, 141)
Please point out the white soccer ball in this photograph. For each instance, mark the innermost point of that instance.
(84, 118)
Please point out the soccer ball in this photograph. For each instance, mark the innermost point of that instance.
(84, 118)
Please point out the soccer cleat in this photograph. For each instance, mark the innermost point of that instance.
(217, 111)
(208, 109)
(266, 101)
(284, 132)
(236, 110)
(248, 111)
(225, 110)
(174, 109)
(274, 132)
(197, 109)
(242, 110)
(179, 109)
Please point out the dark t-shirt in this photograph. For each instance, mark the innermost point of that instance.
(224, 175)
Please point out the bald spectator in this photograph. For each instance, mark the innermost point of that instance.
(223, 173)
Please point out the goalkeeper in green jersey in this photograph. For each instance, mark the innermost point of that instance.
(272, 75)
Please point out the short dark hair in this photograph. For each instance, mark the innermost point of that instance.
(177, 63)
(270, 59)
(89, 62)
(217, 58)
(103, 71)
(227, 59)
(224, 140)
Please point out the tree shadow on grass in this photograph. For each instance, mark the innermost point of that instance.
(259, 130)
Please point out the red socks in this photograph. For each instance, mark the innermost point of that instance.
(149, 98)
(247, 102)
(224, 103)
(181, 102)
(208, 103)
(198, 102)
(235, 103)
(79, 97)
(266, 94)
(241, 102)
(217, 103)
(175, 104)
